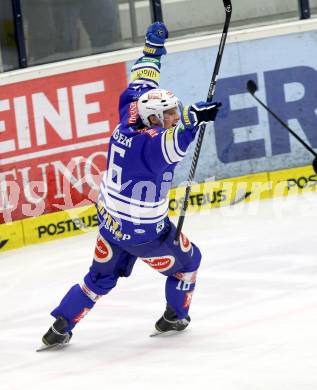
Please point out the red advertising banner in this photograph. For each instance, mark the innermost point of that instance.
(54, 134)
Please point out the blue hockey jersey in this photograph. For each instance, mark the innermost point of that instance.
(133, 201)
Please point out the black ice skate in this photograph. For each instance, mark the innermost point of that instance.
(56, 335)
(169, 323)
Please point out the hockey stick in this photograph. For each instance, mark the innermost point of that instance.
(211, 92)
(252, 88)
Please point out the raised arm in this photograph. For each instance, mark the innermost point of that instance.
(145, 73)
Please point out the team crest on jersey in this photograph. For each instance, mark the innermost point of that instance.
(185, 244)
(160, 226)
(103, 251)
(160, 264)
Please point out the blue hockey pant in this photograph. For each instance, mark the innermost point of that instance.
(179, 263)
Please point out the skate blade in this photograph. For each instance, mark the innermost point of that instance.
(166, 334)
(53, 347)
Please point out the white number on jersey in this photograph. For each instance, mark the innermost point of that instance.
(114, 177)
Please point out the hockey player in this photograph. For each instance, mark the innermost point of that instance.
(150, 140)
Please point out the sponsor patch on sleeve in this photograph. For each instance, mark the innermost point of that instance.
(133, 113)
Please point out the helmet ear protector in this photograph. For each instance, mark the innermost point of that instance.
(155, 102)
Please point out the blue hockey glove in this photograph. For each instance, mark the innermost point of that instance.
(199, 113)
(154, 39)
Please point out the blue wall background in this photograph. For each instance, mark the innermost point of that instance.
(244, 139)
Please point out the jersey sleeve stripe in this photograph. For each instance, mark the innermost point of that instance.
(164, 151)
(153, 44)
(146, 82)
(145, 65)
(170, 148)
(177, 147)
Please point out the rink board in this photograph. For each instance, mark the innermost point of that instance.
(204, 196)
(59, 225)
(215, 194)
(57, 119)
(293, 181)
(11, 236)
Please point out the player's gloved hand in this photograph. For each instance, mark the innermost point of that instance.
(154, 39)
(199, 113)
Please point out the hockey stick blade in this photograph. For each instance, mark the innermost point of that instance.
(252, 88)
(240, 197)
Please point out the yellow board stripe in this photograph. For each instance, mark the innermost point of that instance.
(11, 236)
(203, 196)
(61, 224)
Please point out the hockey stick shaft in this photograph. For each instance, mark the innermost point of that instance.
(252, 88)
(286, 126)
(211, 92)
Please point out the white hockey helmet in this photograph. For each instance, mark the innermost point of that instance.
(155, 102)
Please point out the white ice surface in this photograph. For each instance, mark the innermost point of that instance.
(254, 311)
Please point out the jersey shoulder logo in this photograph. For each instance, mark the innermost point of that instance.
(151, 133)
(133, 113)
